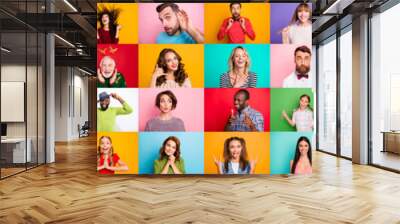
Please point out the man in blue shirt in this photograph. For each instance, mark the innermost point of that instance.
(177, 26)
(247, 119)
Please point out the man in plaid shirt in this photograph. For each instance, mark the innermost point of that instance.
(246, 119)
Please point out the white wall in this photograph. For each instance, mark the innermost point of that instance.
(71, 93)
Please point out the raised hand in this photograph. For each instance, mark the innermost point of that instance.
(100, 77)
(113, 77)
(171, 159)
(183, 20)
(158, 71)
(230, 22)
(242, 23)
(247, 121)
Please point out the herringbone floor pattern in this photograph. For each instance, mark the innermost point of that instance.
(70, 191)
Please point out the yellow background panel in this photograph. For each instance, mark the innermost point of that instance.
(125, 144)
(257, 144)
(257, 13)
(192, 56)
(128, 19)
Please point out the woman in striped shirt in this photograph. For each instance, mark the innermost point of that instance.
(238, 75)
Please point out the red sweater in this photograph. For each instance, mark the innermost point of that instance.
(236, 34)
(115, 159)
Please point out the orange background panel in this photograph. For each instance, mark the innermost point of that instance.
(125, 144)
(128, 19)
(257, 143)
(257, 13)
(192, 56)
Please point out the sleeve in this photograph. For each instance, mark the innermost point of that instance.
(182, 124)
(115, 158)
(182, 166)
(249, 30)
(147, 128)
(222, 81)
(259, 122)
(222, 30)
(294, 117)
(126, 109)
(157, 167)
(253, 81)
(187, 83)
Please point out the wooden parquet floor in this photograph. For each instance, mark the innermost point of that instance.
(70, 191)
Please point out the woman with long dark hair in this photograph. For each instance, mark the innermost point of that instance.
(301, 164)
(170, 71)
(108, 32)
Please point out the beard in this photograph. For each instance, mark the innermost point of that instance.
(103, 108)
(302, 69)
(235, 16)
(171, 31)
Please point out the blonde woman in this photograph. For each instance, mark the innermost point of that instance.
(300, 28)
(238, 75)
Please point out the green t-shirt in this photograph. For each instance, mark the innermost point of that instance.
(160, 164)
(106, 118)
(119, 82)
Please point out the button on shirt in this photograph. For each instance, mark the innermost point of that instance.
(292, 81)
(255, 116)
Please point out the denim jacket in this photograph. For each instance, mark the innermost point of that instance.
(246, 170)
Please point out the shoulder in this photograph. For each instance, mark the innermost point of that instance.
(161, 37)
(115, 157)
(224, 75)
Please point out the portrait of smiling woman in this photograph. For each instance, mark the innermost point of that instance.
(238, 75)
(169, 71)
(170, 161)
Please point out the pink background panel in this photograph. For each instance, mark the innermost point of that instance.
(282, 63)
(150, 26)
(189, 108)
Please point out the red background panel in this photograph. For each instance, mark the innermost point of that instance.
(126, 58)
(218, 103)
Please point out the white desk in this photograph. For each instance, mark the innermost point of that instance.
(18, 150)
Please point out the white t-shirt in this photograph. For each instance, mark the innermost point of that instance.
(235, 167)
(291, 81)
(304, 120)
(300, 35)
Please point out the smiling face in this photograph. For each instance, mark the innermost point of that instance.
(105, 103)
(171, 61)
(304, 102)
(170, 148)
(105, 145)
(169, 21)
(165, 104)
(302, 60)
(240, 101)
(303, 15)
(107, 67)
(235, 149)
(235, 11)
(105, 19)
(239, 58)
(303, 148)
